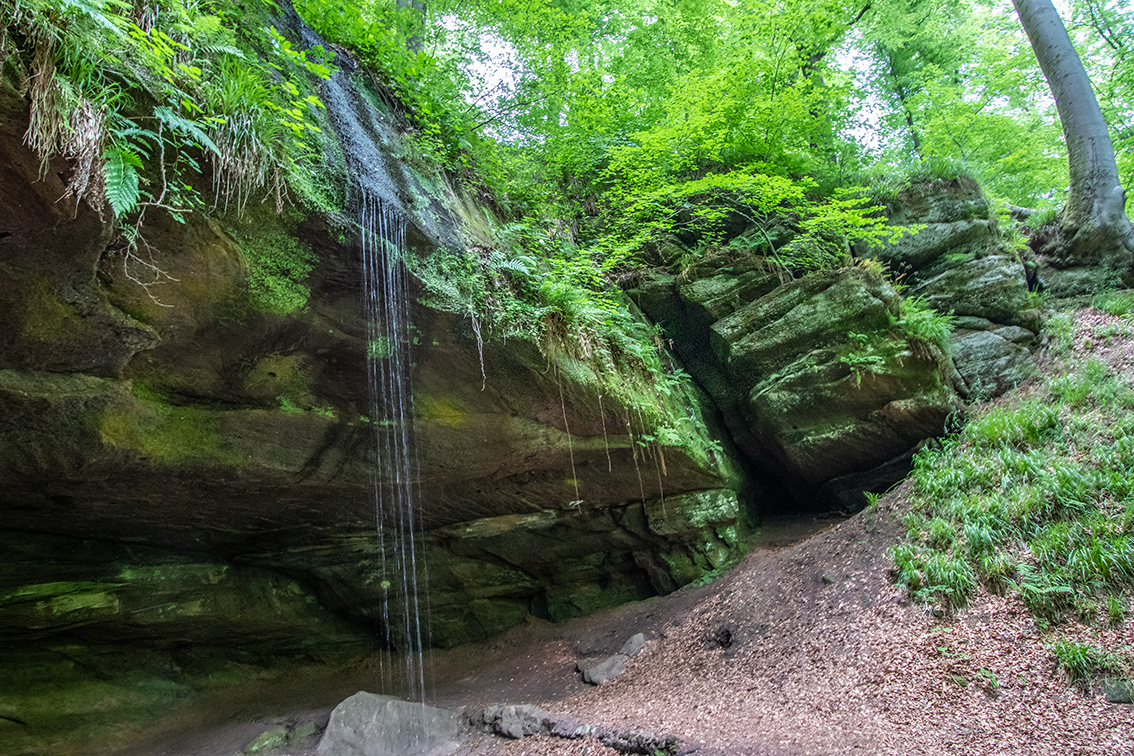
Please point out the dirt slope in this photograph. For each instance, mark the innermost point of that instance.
(810, 650)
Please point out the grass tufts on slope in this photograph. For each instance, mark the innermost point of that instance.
(1035, 495)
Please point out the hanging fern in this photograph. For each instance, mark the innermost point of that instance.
(187, 127)
(122, 185)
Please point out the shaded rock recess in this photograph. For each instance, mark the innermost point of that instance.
(187, 471)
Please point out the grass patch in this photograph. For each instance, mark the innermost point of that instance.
(1083, 662)
(1034, 496)
(1115, 302)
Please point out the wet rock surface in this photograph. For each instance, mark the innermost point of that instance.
(185, 465)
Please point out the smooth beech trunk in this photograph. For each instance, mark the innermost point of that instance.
(1094, 226)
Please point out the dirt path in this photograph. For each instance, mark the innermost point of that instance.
(812, 650)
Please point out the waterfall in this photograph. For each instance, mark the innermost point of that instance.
(385, 292)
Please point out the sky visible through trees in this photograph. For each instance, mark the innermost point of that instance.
(900, 82)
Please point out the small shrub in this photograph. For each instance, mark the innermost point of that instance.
(1037, 300)
(1023, 426)
(1083, 662)
(1115, 609)
(908, 566)
(941, 534)
(951, 577)
(1060, 327)
(989, 678)
(1042, 597)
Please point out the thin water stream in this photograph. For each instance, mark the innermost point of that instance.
(386, 296)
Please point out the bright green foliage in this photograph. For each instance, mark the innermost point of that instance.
(423, 87)
(136, 95)
(925, 327)
(1115, 302)
(278, 265)
(961, 85)
(1034, 496)
(121, 169)
(1103, 32)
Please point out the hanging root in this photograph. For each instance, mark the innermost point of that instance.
(570, 447)
(138, 263)
(87, 138)
(605, 441)
(61, 122)
(480, 351)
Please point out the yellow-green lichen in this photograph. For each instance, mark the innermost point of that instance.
(443, 410)
(276, 375)
(47, 318)
(165, 434)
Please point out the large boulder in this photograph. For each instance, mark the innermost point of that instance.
(370, 725)
(958, 264)
(816, 380)
(991, 358)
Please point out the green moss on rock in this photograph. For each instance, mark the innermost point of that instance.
(165, 433)
(278, 262)
(48, 318)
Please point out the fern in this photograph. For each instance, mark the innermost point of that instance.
(97, 13)
(214, 48)
(122, 185)
(522, 265)
(187, 127)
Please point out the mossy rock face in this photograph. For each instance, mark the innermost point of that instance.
(814, 311)
(103, 592)
(566, 564)
(56, 316)
(823, 419)
(935, 241)
(688, 514)
(486, 575)
(63, 699)
(991, 358)
(939, 201)
(197, 418)
(992, 287)
(531, 435)
(1079, 280)
(99, 639)
(959, 265)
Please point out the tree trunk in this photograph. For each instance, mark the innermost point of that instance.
(1093, 223)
